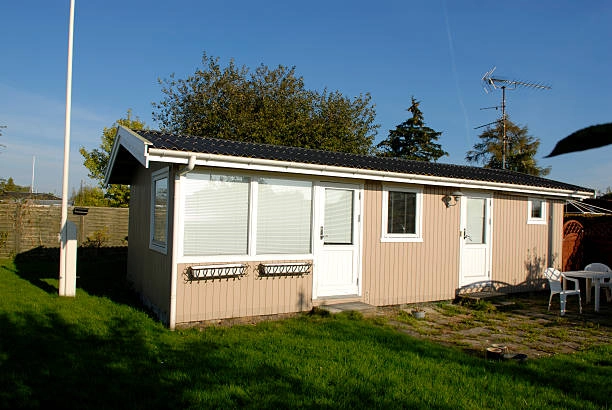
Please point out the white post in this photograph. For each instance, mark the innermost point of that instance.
(67, 274)
(33, 164)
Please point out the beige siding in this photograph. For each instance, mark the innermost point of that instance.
(409, 272)
(521, 251)
(148, 270)
(249, 295)
(392, 272)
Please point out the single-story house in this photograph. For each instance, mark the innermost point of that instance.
(223, 229)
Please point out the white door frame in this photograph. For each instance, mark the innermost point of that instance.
(487, 247)
(321, 251)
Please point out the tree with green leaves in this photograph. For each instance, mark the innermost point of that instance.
(97, 159)
(89, 196)
(521, 149)
(264, 105)
(412, 139)
(9, 185)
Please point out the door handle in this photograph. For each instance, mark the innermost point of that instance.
(465, 235)
(321, 233)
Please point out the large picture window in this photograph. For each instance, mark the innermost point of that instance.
(284, 214)
(216, 214)
(238, 216)
(401, 214)
(159, 211)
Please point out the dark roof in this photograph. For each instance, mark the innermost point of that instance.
(174, 142)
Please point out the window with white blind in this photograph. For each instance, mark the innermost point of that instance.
(216, 214)
(236, 215)
(338, 216)
(284, 212)
(159, 211)
(401, 214)
(475, 222)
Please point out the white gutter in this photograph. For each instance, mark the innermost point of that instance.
(259, 164)
(191, 163)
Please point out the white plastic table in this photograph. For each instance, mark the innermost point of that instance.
(589, 275)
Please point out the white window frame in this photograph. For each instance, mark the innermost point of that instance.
(536, 221)
(252, 228)
(159, 246)
(406, 237)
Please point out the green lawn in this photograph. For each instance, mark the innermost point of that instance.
(100, 350)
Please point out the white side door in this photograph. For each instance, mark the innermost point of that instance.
(337, 239)
(475, 239)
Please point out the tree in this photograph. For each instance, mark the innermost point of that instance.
(96, 161)
(9, 185)
(607, 195)
(521, 149)
(412, 139)
(266, 105)
(89, 196)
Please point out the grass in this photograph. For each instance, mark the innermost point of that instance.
(102, 350)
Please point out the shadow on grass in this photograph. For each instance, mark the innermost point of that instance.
(48, 362)
(100, 272)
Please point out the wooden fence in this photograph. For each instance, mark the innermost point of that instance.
(586, 239)
(24, 227)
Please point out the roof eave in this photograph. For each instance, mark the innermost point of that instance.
(136, 145)
(259, 164)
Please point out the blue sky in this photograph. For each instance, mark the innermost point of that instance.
(436, 51)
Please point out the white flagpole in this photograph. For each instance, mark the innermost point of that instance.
(65, 274)
(33, 164)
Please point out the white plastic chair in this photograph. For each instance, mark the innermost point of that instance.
(554, 280)
(607, 285)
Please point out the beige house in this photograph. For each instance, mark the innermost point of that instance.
(223, 229)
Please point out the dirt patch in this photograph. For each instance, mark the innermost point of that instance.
(522, 323)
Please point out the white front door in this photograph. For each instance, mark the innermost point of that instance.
(475, 238)
(337, 238)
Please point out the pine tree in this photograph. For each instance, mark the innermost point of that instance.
(521, 149)
(412, 139)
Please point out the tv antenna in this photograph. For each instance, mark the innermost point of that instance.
(491, 84)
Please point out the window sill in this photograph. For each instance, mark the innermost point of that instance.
(400, 239)
(536, 222)
(163, 249)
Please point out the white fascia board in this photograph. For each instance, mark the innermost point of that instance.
(258, 164)
(134, 143)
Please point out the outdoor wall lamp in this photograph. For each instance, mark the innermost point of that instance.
(447, 199)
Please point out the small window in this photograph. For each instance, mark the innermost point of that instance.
(159, 211)
(536, 211)
(401, 214)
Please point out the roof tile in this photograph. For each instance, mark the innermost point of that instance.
(189, 143)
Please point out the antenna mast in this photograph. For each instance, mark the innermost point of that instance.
(491, 84)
